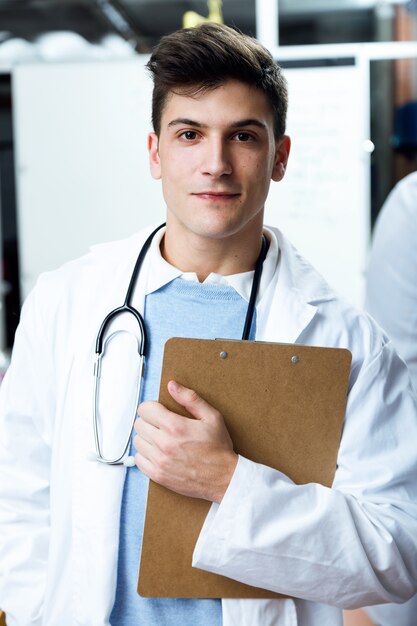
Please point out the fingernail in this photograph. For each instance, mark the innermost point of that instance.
(174, 386)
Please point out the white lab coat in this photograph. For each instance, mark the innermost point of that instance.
(391, 298)
(348, 546)
(391, 287)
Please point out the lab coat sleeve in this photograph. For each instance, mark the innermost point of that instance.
(350, 545)
(26, 412)
(391, 287)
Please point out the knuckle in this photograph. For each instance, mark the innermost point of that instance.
(176, 430)
(138, 461)
(217, 416)
(192, 396)
(145, 407)
(157, 475)
(161, 463)
(167, 449)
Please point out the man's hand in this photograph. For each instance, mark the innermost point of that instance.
(193, 457)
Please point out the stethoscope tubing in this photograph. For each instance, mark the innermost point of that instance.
(127, 307)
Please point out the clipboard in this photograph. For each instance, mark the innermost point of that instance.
(283, 405)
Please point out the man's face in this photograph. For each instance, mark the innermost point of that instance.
(216, 155)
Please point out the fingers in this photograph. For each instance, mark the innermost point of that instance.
(149, 444)
(157, 425)
(144, 431)
(147, 458)
(190, 400)
(152, 412)
(193, 457)
(156, 414)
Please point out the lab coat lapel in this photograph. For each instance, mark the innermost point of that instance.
(286, 318)
(287, 308)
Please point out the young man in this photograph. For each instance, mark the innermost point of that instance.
(71, 527)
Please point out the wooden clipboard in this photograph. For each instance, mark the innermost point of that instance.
(284, 406)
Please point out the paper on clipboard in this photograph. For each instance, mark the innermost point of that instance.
(283, 405)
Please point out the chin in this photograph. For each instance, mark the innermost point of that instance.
(214, 224)
(219, 226)
(218, 231)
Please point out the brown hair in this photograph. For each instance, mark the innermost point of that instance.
(194, 60)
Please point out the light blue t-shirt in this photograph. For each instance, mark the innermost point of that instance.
(178, 309)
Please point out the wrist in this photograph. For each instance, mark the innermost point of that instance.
(227, 470)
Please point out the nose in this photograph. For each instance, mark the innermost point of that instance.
(216, 161)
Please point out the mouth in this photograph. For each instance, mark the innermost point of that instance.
(216, 195)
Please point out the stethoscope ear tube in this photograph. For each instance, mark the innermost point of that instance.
(126, 306)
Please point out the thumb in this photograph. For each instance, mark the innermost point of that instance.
(190, 400)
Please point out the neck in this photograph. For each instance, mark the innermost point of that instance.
(230, 255)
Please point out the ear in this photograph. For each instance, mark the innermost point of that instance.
(154, 160)
(281, 158)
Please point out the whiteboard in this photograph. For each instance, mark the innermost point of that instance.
(83, 175)
(323, 203)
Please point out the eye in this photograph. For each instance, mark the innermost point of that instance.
(243, 136)
(189, 135)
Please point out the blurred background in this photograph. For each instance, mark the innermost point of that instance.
(75, 113)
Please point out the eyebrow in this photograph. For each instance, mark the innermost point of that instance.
(238, 124)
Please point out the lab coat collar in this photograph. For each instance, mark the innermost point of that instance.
(161, 272)
(289, 291)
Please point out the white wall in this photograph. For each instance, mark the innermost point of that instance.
(82, 165)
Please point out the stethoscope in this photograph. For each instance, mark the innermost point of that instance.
(101, 342)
